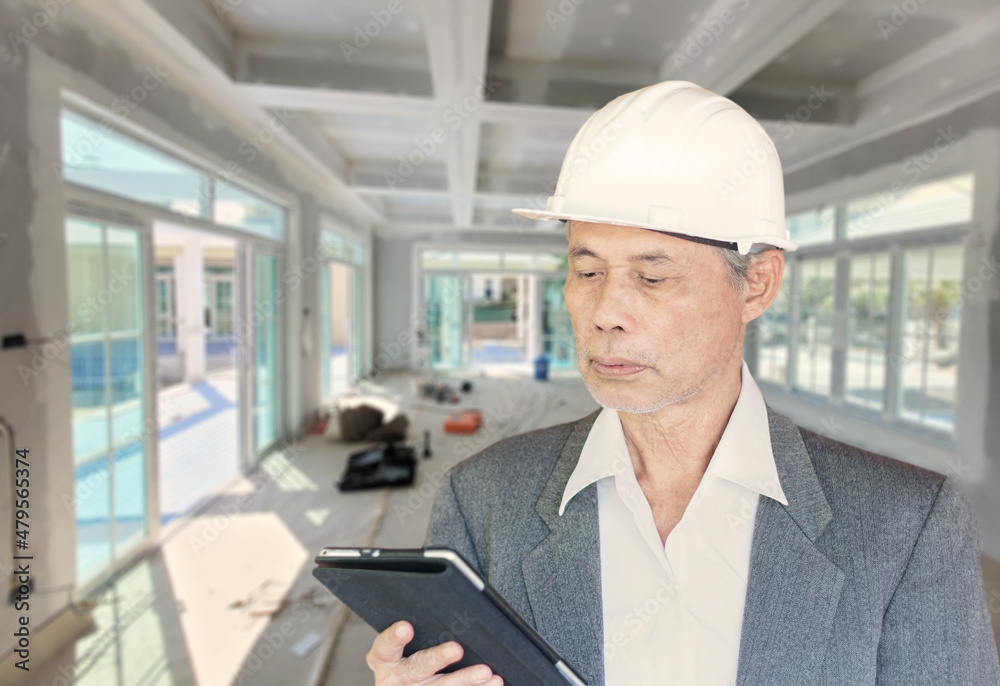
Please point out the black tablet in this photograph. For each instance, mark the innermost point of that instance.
(444, 599)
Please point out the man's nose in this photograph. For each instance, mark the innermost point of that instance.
(615, 307)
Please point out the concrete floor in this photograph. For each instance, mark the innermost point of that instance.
(230, 594)
(510, 405)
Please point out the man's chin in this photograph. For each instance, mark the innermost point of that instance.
(608, 393)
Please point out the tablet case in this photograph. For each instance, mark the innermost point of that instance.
(442, 604)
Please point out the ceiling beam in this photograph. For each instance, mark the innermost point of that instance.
(985, 29)
(142, 29)
(540, 30)
(334, 100)
(951, 72)
(328, 50)
(400, 192)
(377, 174)
(535, 115)
(434, 110)
(733, 40)
(457, 33)
(307, 130)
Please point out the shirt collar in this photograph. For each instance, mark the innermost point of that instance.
(743, 455)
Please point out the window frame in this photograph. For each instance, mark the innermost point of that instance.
(215, 172)
(841, 250)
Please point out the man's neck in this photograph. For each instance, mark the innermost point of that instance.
(677, 442)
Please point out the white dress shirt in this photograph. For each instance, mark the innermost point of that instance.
(673, 613)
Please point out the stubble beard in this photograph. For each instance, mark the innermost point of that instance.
(607, 394)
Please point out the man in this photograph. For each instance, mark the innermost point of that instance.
(686, 533)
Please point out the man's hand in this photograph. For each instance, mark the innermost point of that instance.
(392, 669)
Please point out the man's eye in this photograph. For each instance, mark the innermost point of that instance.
(586, 275)
(650, 282)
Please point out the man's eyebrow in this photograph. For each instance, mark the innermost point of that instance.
(654, 257)
(581, 251)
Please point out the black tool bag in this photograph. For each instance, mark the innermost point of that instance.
(388, 464)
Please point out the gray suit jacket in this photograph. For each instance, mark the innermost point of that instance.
(870, 575)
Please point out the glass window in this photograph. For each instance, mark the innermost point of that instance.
(938, 203)
(108, 417)
(448, 314)
(340, 248)
(929, 346)
(558, 342)
(547, 262)
(267, 341)
(165, 306)
(899, 328)
(518, 261)
(439, 259)
(493, 261)
(85, 265)
(867, 330)
(223, 301)
(96, 157)
(815, 325)
(240, 209)
(478, 260)
(812, 226)
(124, 309)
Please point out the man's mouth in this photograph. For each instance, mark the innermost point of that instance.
(616, 366)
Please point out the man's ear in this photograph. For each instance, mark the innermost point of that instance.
(763, 283)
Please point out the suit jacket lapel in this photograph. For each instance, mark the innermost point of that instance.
(562, 574)
(792, 589)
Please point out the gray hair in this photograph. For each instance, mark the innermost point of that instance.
(737, 266)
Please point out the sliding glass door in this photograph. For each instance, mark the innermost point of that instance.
(557, 331)
(449, 320)
(267, 367)
(113, 436)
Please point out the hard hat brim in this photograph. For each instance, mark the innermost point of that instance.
(782, 243)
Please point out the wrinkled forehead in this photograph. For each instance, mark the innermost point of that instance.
(611, 240)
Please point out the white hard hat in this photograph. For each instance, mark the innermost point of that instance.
(676, 158)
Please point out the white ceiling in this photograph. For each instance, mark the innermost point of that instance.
(316, 20)
(550, 63)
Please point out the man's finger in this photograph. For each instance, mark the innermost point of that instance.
(474, 675)
(388, 645)
(425, 663)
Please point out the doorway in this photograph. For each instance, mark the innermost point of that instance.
(501, 320)
(340, 327)
(196, 360)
